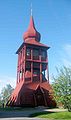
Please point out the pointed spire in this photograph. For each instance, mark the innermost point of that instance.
(31, 24)
(31, 32)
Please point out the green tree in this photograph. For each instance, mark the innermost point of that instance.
(0, 101)
(62, 87)
(5, 93)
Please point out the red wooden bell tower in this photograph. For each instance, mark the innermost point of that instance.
(32, 88)
(32, 57)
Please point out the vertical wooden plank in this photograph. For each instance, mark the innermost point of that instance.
(32, 65)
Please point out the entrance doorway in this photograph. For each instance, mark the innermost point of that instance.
(39, 97)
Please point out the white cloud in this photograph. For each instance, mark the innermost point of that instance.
(0, 81)
(66, 62)
(67, 49)
(65, 55)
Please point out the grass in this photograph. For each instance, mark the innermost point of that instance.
(53, 115)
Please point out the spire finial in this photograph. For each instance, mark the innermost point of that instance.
(31, 9)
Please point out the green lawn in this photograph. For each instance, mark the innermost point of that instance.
(53, 115)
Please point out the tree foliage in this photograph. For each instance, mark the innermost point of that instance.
(5, 94)
(62, 87)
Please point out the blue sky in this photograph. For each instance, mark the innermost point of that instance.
(52, 19)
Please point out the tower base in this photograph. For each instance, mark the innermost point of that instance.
(32, 95)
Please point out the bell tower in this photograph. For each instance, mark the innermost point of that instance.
(32, 88)
(32, 57)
